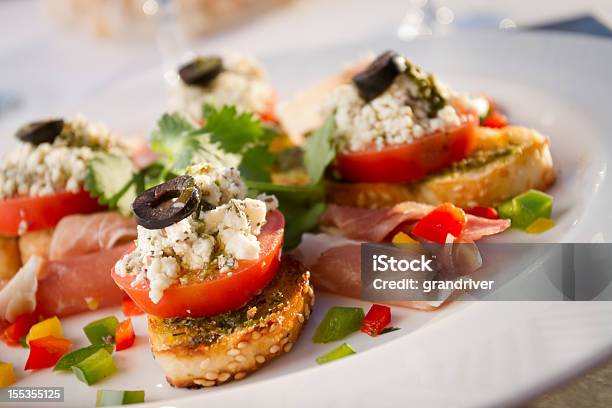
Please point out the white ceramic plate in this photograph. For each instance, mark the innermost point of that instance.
(468, 354)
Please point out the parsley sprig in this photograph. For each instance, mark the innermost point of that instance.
(229, 138)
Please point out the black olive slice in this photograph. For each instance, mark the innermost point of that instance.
(201, 71)
(167, 203)
(41, 131)
(377, 77)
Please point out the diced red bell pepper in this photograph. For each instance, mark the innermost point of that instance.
(20, 327)
(130, 308)
(378, 317)
(124, 336)
(46, 351)
(484, 212)
(445, 219)
(495, 119)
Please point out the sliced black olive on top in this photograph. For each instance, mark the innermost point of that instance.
(167, 203)
(42, 131)
(201, 71)
(377, 77)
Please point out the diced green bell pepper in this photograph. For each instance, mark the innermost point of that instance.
(107, 398)
(102, 331)
(95, 367)
(73, 358)
(342, 351)
(338, 323)
(526, 208)
(23, 342)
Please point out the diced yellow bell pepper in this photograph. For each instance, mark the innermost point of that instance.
(540, 225)
(48, 327)
(7, 375)
(403, 238)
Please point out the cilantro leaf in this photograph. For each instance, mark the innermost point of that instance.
(233, 131)
(302, 219)
(318, 150)
(256, 163)
(306, 194)
(111, 178)
(177, 140)
(211, 153)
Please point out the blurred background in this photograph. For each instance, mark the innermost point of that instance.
(55, 53)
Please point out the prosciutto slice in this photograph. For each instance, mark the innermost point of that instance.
(84, 234)
(478, 227)
(82, 251)
(66, 286)
(374, 225)
(334, 259)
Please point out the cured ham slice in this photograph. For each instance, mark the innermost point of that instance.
(478, 227)
(335, 260)
(83, 234)
(335, 266)
(82, 251)
(66, 286)
(374, 225)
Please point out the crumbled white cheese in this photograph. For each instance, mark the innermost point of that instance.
(216, 239)
(217, 184)
(396, 116)
(53, 167)
(270, 200)
(242, 83)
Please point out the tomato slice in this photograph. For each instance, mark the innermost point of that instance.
(44, 211)
(410, 161)
(218, 294)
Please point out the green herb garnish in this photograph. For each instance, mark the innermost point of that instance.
(112, 178)
(344, 350)
(319, 151)
(229, 138)
(388, 330)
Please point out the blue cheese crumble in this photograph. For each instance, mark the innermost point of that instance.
(242, 83)
(213, 241)
(397, 116)
(49, 168)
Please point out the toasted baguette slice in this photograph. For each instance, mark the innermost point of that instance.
(506, 163)
(208, 351)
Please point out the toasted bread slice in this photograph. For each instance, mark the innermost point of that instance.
(208, 351)
(506, 163)
(303, 114)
